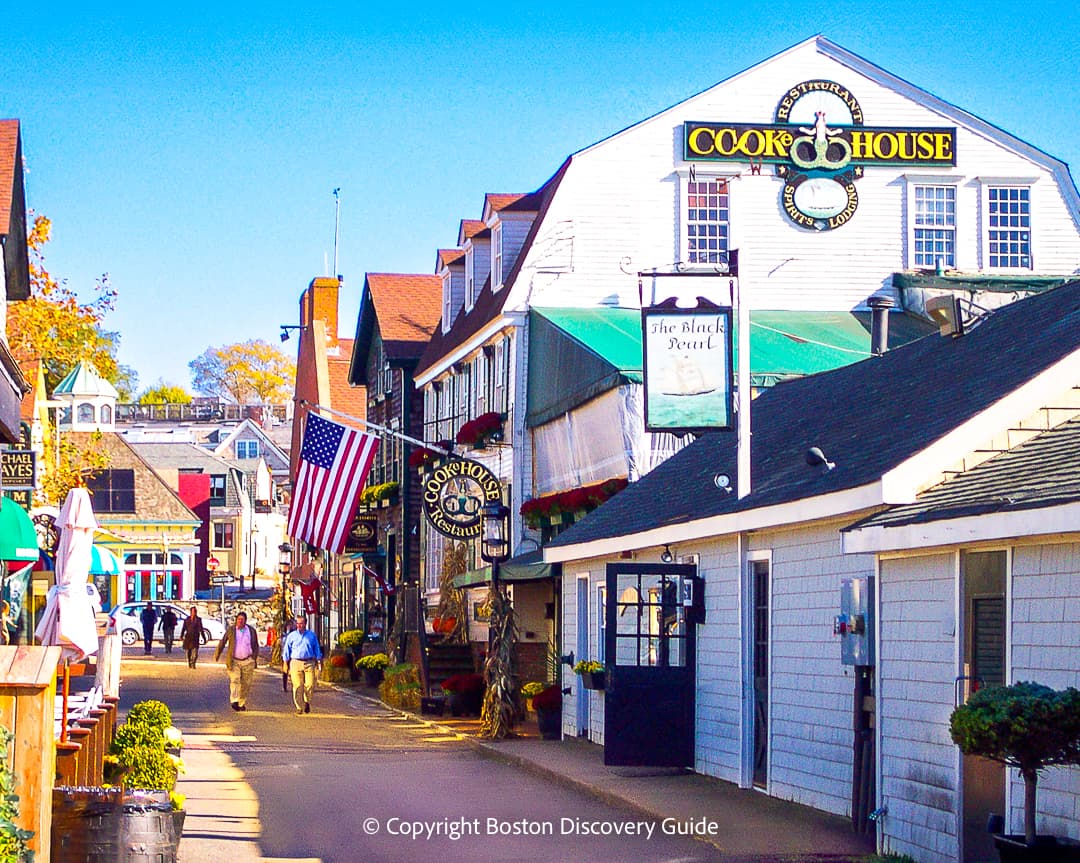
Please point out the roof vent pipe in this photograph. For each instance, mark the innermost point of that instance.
(879, 324)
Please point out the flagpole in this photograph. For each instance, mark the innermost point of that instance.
(383, 429)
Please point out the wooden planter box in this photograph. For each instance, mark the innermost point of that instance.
(593, 679)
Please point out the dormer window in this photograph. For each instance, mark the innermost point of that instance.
(470, 278)
(447, 301)
(496, 257)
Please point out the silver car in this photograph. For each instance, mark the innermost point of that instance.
(125, 620)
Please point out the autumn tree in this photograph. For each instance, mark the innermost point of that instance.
(163, 393)
(53, 325)
(246, 372)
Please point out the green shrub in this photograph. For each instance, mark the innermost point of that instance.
(148, 768)
(14, 841)
(351, 639)
(153, 713)
(132, 734)
(1026, 725)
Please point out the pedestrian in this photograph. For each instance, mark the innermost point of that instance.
(168, 627)
(301, 657)
(148, 616)
(240, 644)
(191, 636)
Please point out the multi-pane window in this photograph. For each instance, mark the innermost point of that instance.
(470, 278)
(86, 413)
(1009, 221)
(113, 490)
(217, 489)
(935, 226)
(447, 298)
(247, 449)
(496, 256)
(707, 221)
(223, 534)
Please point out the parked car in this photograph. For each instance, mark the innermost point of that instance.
(125, 620)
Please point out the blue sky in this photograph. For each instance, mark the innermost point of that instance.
(193, 155)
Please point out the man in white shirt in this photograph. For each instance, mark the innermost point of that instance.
(240, 645)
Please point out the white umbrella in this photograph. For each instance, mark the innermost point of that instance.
(68, 619)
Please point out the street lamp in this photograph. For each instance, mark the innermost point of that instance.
(284, 568)
(494, 534)
(254, 536)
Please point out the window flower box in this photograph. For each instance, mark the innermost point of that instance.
(566, 507)
(478, 433)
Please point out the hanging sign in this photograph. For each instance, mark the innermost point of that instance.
(688, 369)
(363, 534)
(19, 468)
(454, 493)
(820, 146)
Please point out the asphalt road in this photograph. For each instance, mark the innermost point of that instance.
(354, 781)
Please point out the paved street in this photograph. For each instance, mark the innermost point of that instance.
(354, 781)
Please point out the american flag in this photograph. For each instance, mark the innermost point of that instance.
(334, 463)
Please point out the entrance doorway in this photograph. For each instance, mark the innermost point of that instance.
(582, 649)
(983, 577)
(759, 577)
(650, 656)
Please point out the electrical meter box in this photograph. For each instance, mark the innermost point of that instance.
(855, 623)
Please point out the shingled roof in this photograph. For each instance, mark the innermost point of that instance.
(1043, 471)
(489, 304)
(868, 418)
(405, 307)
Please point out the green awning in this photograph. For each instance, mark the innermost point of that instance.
(18, 539)
(578, 354)
(524, 567)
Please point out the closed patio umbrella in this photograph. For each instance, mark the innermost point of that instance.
(68, 619)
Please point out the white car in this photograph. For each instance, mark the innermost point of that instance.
(125, 620)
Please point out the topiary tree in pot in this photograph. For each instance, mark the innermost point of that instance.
(1027, 726)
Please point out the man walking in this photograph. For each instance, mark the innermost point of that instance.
(240, 645)
(168, 627)
(148, 617)
(191, 636)
(301, 657)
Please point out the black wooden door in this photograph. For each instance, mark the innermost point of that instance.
(650, 657)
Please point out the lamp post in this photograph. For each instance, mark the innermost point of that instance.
(284, 568)
(254, 536)
(497, 715)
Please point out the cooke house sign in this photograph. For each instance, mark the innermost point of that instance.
(454, 494)
(820, 146)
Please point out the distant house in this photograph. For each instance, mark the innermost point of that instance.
(144, 522)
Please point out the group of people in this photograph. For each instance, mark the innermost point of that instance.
(301, 660)
(190, 633)
(301, 653)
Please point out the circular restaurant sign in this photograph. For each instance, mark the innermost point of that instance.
(454, 493)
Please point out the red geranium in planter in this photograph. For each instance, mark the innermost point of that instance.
(486, 427)
(543, 509)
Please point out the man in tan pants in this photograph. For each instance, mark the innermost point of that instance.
(301, 656)
(240, 645)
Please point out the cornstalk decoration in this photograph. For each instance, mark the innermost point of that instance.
(497, 714)
(452, 600)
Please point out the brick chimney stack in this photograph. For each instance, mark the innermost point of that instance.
(320, 302)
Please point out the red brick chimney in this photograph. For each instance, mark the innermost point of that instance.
(320, 302)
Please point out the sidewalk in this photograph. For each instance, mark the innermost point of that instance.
(749, 827)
